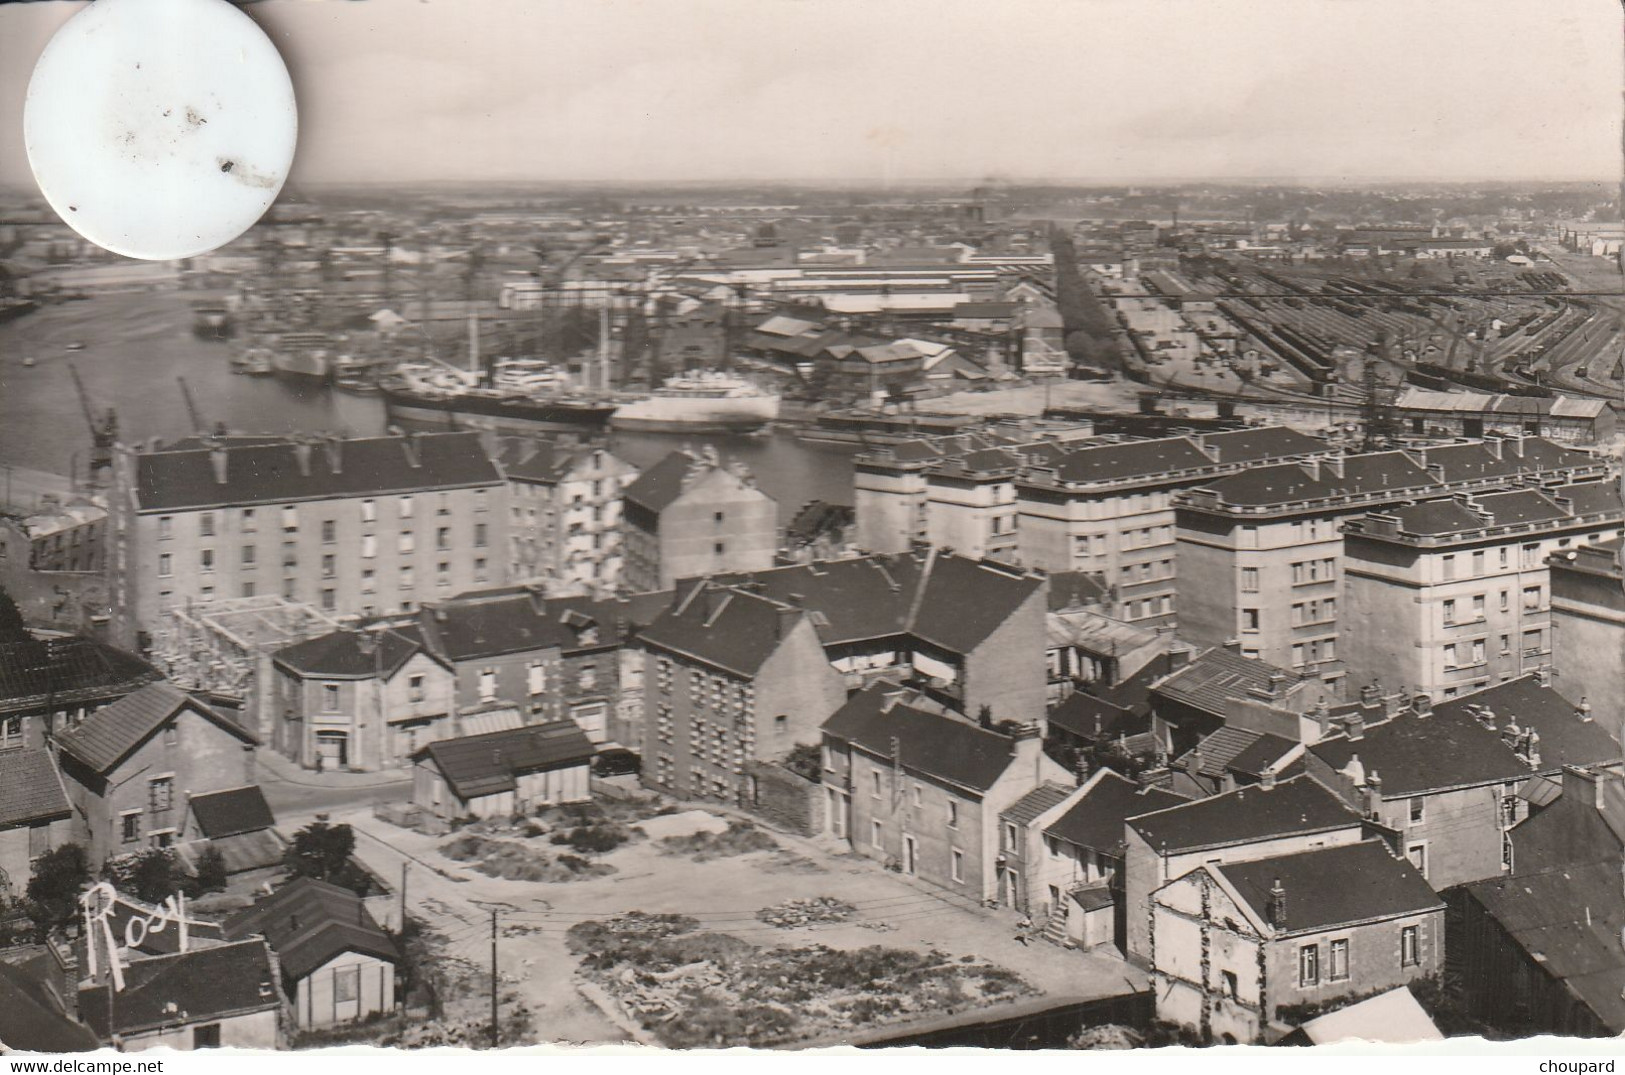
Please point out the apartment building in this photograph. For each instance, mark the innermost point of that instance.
(731, 677)
(1588, 620)
(1449, 596)
(353, 527)
(1110, 509)
(691, 515)
(564, 513)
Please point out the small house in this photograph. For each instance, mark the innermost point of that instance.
(502, 773)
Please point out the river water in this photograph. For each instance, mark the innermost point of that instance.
(137, 345)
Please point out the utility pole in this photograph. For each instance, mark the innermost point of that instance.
(495, 1036)
(402, 923)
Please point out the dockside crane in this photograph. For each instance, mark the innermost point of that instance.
(103, 431)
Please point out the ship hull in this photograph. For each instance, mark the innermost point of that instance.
(716, 424)
(494, 416)
(663, 414)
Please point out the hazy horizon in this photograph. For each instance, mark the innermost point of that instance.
(929, 92)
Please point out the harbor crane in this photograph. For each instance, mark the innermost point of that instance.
(103, 431)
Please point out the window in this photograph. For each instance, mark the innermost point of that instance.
(1418, 809)
(369, 511)
(481, 572)
(1231, 985)
(330, 697)
(589, 677)
(1448, 565)
(919, 795)
(329, 565)
(1505, 556)
(206, 1036)
(480, 530)
(1009, 837)
(166, 567)
(205, 524)
(406, 507)
(716, 517)
(442, 573)
(1531, 556)
(1506, 600)
(781, 725)
(1478, 606)
(535, 677)
(248, 521)
(330, 531)
(205, 560)
(1418, 854)
(874, 790)
(956, 865)
(408, 578)
(290, 519)
(166, 527)
(720, 547)
(1337, 963)
(249, 555)
(488, 684)
(369, 581)
(1309, 965)
(407, 542)
(414, 689)
(1249, 580)
(369, 546)
(1531, 598)
(1478, 651)
(1450, 657)
(1450, 610)
(1297, 655)
(130, 826)
(160, 793)
(1478, 562)
(1249, 537)
(1410, 947)
(11, 732)
(1249, 619)
(876, 838)
(442, 538)
(346, 985)
(953, 814)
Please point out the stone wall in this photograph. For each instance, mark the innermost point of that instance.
(784, 799)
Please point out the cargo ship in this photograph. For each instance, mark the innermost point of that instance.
(700, 401)
(303, 356)
(451, 399)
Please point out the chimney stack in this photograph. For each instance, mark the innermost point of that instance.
(1266, 779)
(1354, 725)
(1277, 907)
(1543, 675)
(217, 460)
(1371, 694)
(1373, 794)
(789, 616)
(1583, 710)
(1334, 465)
(65, 982)
(1534, 750)
(1422, 705)
(301, 456)
(335, 454)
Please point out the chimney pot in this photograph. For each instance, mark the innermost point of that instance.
(1583, 710)
(301, 456)
(217, 460)
(1277, 906)
(1355, 726)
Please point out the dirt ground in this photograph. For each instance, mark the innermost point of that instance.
(725, 894)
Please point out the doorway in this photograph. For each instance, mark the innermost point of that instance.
(911, 856)
(332, 751)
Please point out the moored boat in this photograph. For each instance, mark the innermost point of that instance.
(700, 401)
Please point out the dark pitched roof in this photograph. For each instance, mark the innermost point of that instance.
(662, 483)
(30, 789)
(490, 623)
(1451, 748)
(476, 765)
(1437, 518)
(108, 734)
(196, 986)
(1145, 458)
(1096, 819)
(33, 1021)
(1569, 920)
(1520, 506)
(728, 628)
(1035, 802)
(1246, 815)
(271, 473)
(1076, 589)
(1590, 498)
(533, 460)
(67, 671)
(1218, 675)
(1088, 717)
(1213, 754)
(349, 654)
(1333, 886)
(309, 922)
(963, 601)
(1377, 473)
(947, 748)
(231, 813)
(1259, 755)
(1269, 442)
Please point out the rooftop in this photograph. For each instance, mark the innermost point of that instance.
(232, 812)
(198, 986)
(1328, 887)
(1297, 806)
(30, 789)
(67, 671)
(488, 764)
(288, 471)
(947, 748)
(309, 922)
(1095, 820)
(1218, 675)
(108, 735)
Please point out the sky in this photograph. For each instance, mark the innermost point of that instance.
(1110, 90)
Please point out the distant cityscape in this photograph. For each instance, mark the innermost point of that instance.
(1025, 615)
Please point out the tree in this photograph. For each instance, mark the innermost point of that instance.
(211, 870)
(151, 875)
(321, 851)
(53, 891)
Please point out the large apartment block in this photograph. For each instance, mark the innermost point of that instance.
(691, 515)
(353, 527)
(1453, 595)
(564, 513)
(1588, 622)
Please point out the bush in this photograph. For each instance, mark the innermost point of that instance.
(151, 875)
(806, 760)
(211, 870)
(53, 891)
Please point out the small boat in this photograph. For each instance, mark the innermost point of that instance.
(29, 361)
(359, 386)
(76, 346)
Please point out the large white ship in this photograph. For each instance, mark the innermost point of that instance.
(700, 401)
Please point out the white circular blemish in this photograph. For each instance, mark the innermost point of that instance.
(160, 128)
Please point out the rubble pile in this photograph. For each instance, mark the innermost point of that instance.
(792, 914)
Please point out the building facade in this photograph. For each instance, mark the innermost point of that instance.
(1588, 620)
(689, 516)
(564, 513)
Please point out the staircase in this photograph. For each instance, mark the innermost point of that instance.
(1055, 931)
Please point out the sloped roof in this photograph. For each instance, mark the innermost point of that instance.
(1218, 675)
(1214, 753)
(1391, 1018)
(349, 654)
(1332, 886)
(110, 733)
(1088, 717)
(662, 483)
(1268, 442)
(30, 788)
(1246, 815)
(731, 629)
(197, 986)
(1096, 819)
(67, 671)
(270, 473)
(34, 1023)
(1569, 920)
(308, 922)
(1145, 458)
(476, 765)
(1044, 797)
(948, 748)
(1074, 589)
(232, 812)
(1260, 755)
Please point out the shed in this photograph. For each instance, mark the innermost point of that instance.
(505, 772)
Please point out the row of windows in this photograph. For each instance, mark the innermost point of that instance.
(248, 518)
(1468, 653)
(1312, 970)
(1307, 571)
(1308, 612)
(1146, 572)
(1314, 652)
(911, 853)
(329, 566)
